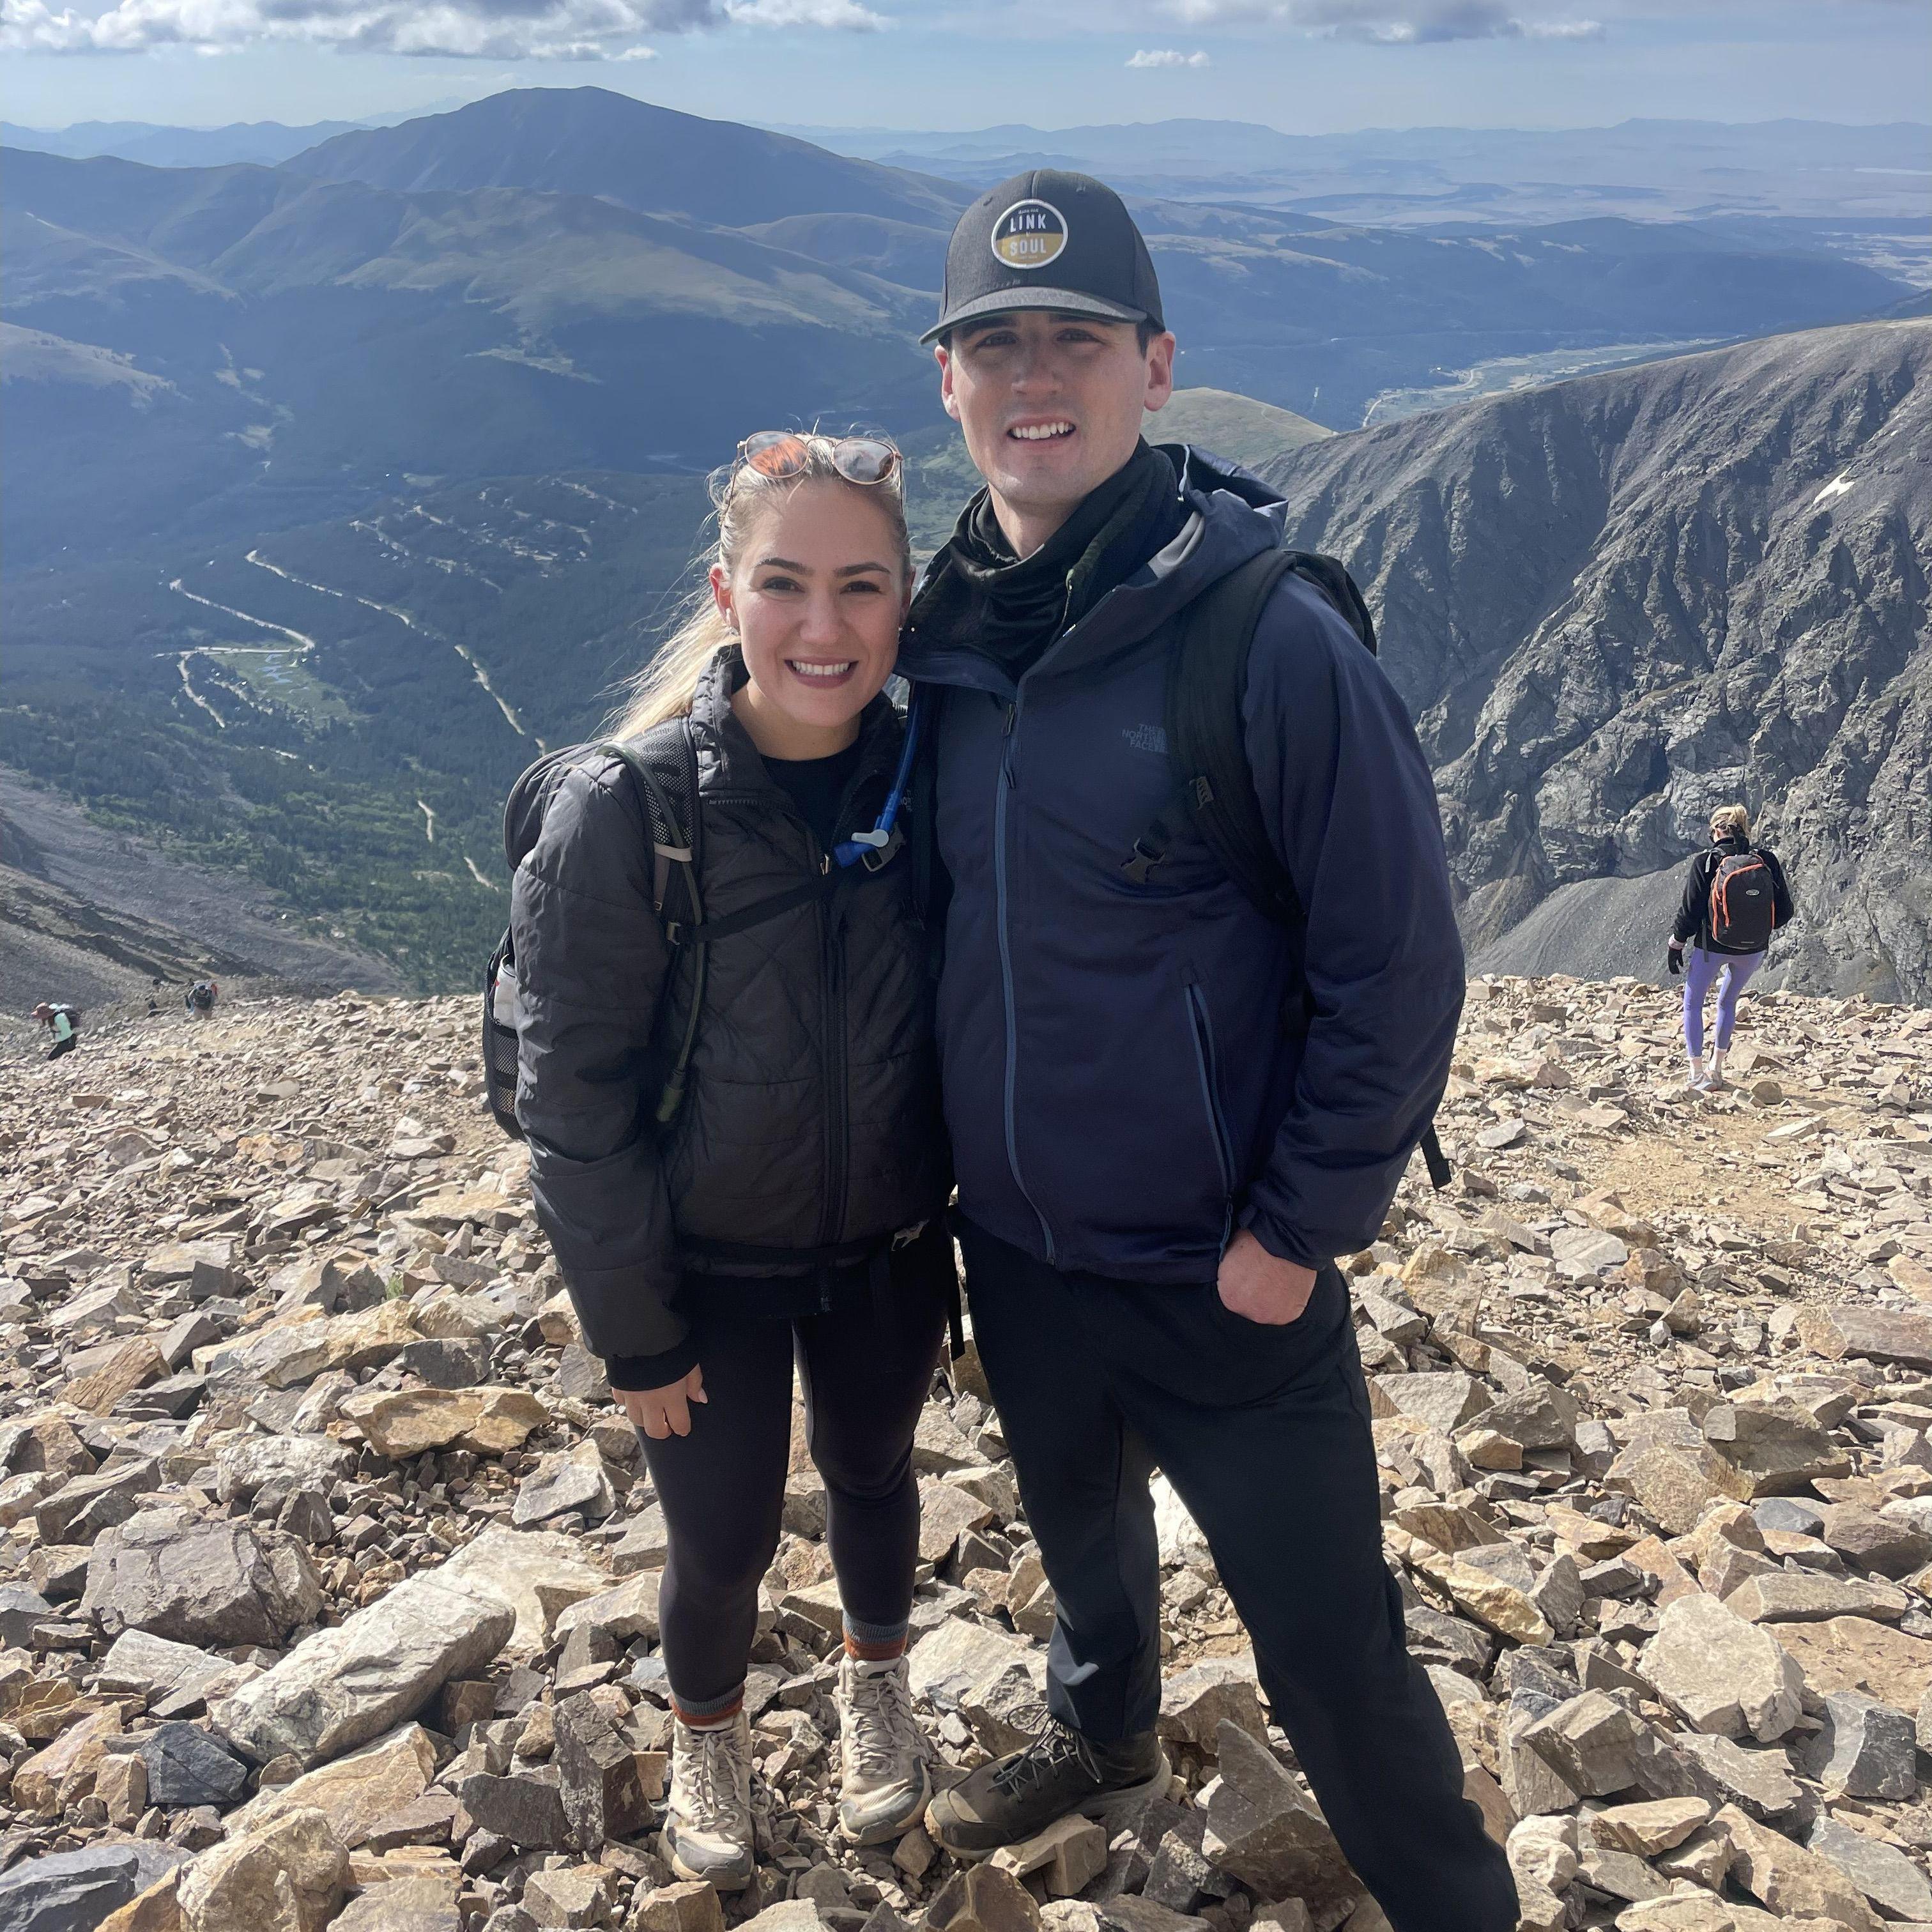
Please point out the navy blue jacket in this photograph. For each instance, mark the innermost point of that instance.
(1119, 1085)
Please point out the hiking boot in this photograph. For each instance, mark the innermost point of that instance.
(708, 1822)
(883, 1786)
(1025, 1791)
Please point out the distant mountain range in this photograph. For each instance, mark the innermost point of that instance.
(1647, 169)
(559, 278)
(264, 142)
(1615, 603)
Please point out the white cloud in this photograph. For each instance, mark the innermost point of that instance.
(845, 14)
(561, 30)
(1391, 22)
(1167, 57)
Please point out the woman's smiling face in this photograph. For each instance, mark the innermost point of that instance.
(817, 598)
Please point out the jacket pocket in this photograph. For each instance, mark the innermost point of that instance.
(1201, 1030)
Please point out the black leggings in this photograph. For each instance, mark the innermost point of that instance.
(721, 1487)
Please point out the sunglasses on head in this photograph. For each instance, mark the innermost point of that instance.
(776, 453)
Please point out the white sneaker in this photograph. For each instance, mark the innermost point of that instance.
(884, 1787)
(1697, 1078)
(708, 1822)
(1715, 1077)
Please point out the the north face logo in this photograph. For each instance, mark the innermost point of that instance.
(1146, 738)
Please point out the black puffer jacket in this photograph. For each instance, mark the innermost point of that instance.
(812, 1119)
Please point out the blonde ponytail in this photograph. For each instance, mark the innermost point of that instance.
(1731, 821)
(740, 495)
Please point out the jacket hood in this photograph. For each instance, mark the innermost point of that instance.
(1203, 474)
(1235, 515)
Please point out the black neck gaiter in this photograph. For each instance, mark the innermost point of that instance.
(1010, 608)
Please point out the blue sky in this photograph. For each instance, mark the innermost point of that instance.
(1305, 66)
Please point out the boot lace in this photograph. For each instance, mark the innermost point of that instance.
(1054, 1748)
(883, 1724)
(710, 1782)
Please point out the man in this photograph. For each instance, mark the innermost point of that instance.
(1156, 1170)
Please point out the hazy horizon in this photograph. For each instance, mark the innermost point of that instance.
(1301, 66)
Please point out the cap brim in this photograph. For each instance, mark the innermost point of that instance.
(1004, 301)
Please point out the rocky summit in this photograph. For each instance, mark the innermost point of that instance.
(328, 1581)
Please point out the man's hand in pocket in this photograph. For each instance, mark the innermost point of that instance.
(1261, 1287)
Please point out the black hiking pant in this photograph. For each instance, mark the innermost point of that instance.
(865, 1372)
(1263, 1433)
(61, 1046)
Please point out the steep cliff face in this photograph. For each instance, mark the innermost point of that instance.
(1615, 602)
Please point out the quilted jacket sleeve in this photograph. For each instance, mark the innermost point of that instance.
(591, 963)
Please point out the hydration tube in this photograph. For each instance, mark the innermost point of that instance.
(853, 851)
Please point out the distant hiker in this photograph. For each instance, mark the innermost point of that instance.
(154, 998)
(1172, 1107)
(200, 998)
(1735, 898)
(780, 1195)
(63, 1021)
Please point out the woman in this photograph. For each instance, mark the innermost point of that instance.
(790, 1204)
(1734, 897)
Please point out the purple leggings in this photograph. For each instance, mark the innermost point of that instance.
(1730, 971)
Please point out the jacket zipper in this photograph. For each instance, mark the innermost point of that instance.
(1004, 784)
(1202, 1029)
(837, 1107)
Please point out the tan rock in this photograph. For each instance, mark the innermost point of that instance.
(1498, 1606)
(132, 1365)
(1675, 1485)
(983, 1898)
(1856, 1654)
(1790, 1880)
(534, 1574)
(355, 1794)
(289, 1876)
(64, 1770)
(157, 1909)
(402, 1422)
(677, 1908)
(1071, 1852)
(1648, 1829)
(1728, 1677)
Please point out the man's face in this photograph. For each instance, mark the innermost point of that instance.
(1051, 404)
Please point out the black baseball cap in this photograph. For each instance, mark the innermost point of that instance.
(1048, 239)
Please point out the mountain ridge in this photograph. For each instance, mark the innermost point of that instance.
(1613, 603)
(589, 140)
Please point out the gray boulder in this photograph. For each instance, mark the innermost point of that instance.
(186, 1767)
(214, 1582)
(74, 1891)
(341, 1687)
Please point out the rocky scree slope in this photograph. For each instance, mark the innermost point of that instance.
(1615, 602)
(328, 1572)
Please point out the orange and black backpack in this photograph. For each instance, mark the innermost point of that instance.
(1743, 902)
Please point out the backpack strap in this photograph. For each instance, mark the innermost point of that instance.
(1214, 791)
(664, 763)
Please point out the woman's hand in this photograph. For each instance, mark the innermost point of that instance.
(660, 1412)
